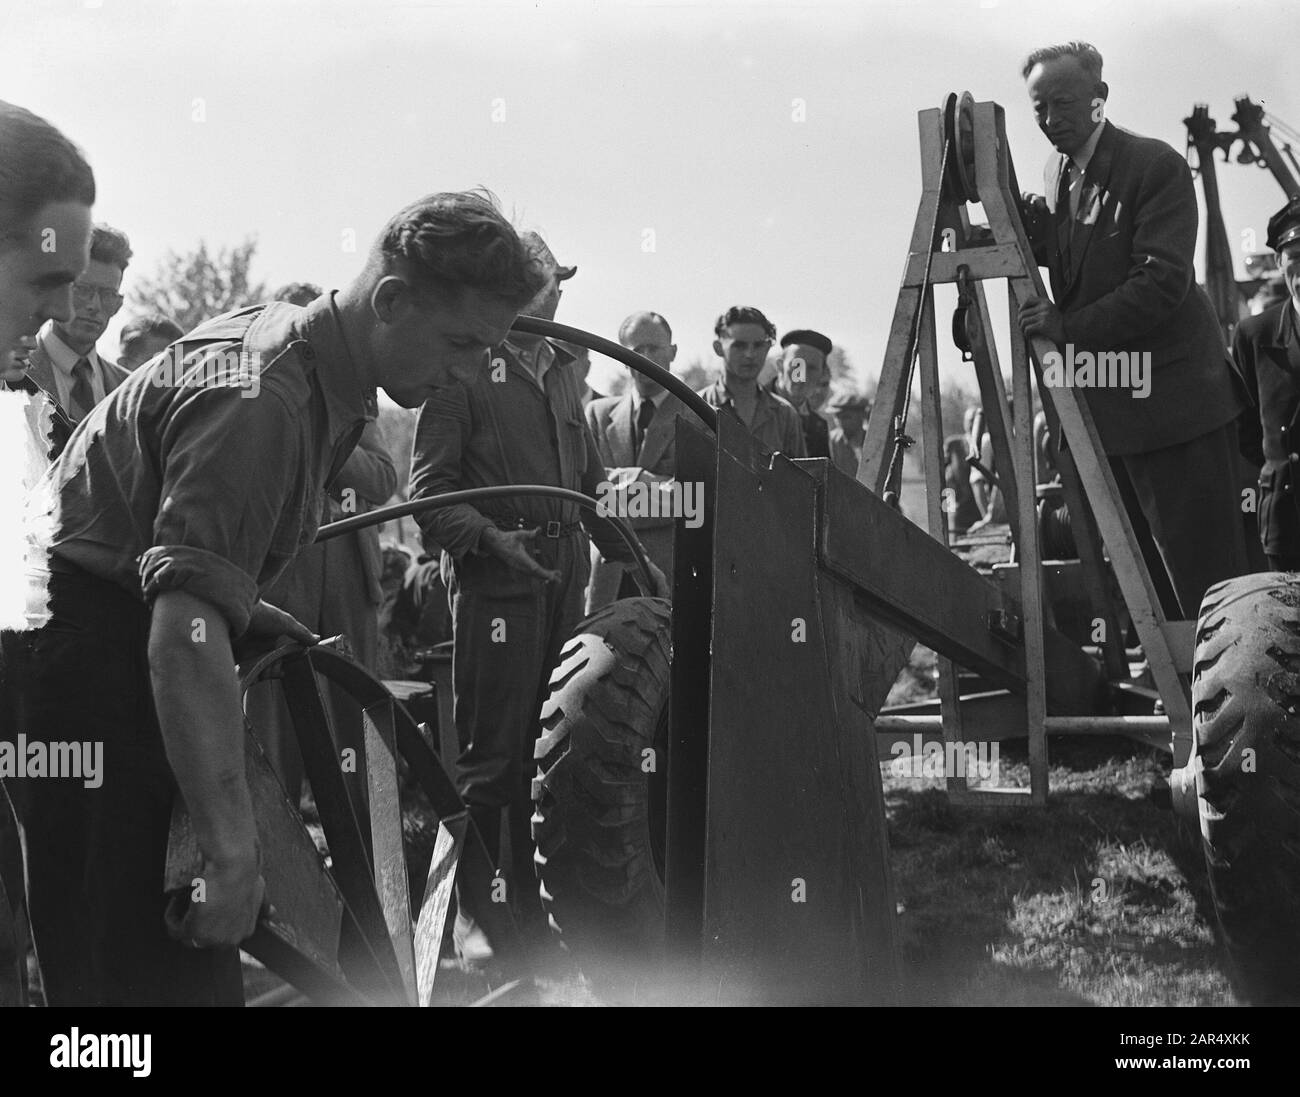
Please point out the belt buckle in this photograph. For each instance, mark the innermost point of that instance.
(553, 529)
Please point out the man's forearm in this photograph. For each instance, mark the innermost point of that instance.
(197, 699)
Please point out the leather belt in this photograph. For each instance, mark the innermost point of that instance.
(553, 529)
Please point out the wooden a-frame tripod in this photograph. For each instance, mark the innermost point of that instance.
(965, 158)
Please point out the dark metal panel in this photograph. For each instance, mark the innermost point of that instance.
(308, 905)
(688, 743)
(793, 891)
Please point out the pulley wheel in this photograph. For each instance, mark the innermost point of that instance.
(959, 132)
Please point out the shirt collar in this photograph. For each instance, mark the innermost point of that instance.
(762, 405)
(534, 363)
(1083, 157)
(657, 399)
(61, 355)
(348, 386)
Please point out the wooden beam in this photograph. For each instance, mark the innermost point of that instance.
(919, 587)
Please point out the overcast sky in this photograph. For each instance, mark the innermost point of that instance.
(610, 127)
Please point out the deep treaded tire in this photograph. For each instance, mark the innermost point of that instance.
(592, 797)
(1246, 697)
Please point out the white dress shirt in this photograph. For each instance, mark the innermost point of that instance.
(1076, 165)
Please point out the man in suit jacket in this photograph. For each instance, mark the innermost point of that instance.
(636, 438)
(1266, 349)
(64, 361)
(1118, 234)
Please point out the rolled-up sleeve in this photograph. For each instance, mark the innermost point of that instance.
(229, 465)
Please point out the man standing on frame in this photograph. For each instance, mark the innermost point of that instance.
(1119, 238)
(177, 500)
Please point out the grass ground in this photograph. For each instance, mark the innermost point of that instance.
(1097, 899)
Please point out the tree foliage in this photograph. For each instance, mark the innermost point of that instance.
(696, 374)
(199, 285)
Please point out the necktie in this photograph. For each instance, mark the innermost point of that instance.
(643, 416)
(82, 397)
(1067, 198)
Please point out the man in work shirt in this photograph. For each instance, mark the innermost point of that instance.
(742, 338)
(179, 498)
(516, 568)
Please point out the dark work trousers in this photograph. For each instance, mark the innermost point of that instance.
(96, 855)
(508, 630)
(1186, 497)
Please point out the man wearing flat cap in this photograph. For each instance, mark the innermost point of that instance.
(1266, 349)
(846, 440)
(801, 379)
(516, 569)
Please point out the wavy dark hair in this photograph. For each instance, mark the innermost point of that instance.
(458, 240)
(743, 314)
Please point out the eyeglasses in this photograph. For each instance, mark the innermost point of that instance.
(83, 294)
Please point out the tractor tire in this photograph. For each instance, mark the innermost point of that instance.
(598, 820)
(1246, 719)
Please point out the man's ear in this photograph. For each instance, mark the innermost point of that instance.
(672, 353)
(384, 297)
(1103, 90)
(717, 348)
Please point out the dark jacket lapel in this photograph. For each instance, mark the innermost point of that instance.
(620, 434)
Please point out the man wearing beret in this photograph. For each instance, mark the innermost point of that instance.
(803, 375)
(178, 500)
(1266, 349)
(1117, 231)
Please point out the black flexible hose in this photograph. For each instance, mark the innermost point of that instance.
(531, 325)
(473, 495)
